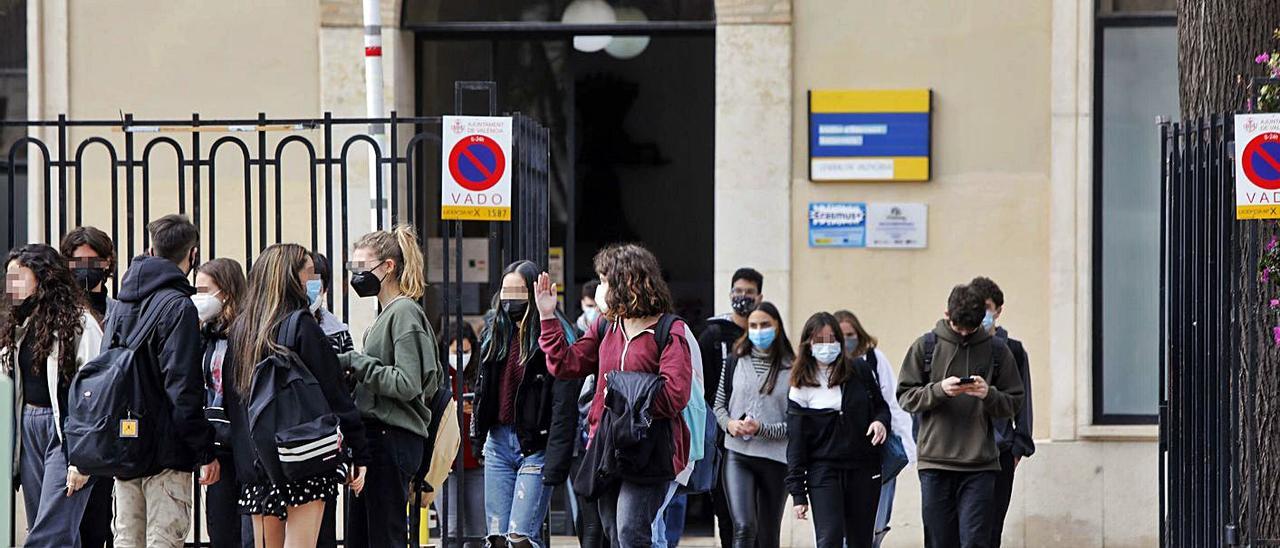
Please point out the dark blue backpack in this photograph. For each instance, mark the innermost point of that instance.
(112, 403)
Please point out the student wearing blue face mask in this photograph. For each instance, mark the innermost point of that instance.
(751, 407)
(338, 333)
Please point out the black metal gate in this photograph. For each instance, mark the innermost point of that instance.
(1218, 351)
(291, 181)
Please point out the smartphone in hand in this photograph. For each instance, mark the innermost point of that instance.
(968, 380)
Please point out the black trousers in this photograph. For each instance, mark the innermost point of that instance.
(757, 498)
(957, 508)
(222, 509)
(720, 503)
(95, 526)
(379, 516)
(843, 503)
(1003, 493)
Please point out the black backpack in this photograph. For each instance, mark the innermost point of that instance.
(112, 409)
(295, 433)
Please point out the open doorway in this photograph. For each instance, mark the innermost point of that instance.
(632, 129)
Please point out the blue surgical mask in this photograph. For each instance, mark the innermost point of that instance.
(826, 353)
(762, 338)
(314, 287)
(988, 321)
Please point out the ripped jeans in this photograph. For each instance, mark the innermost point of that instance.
(515, 500)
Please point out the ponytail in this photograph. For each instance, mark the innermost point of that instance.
(401, 245)
(413, 283)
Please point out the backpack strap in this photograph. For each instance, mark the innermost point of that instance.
(997, 345)
(930, 344)
(152, 309)
(872, 365)
(289, 328)
(662, 333)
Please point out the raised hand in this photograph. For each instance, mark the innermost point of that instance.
(545, 295)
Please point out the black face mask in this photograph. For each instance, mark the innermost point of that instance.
(89, 277)
(366, 284)
(515, 309)
(743, 304)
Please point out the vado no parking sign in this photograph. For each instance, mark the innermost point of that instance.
(1257, 166)
(475, 180)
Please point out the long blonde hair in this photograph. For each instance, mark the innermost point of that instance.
(274, 291)
(400, 244)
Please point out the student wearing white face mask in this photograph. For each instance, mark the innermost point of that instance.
(836, 421)
(472, 500)
(220, 284)
(590, 308)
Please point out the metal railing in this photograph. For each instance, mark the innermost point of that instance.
(291, 181)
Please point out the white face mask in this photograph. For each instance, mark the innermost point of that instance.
(602, 291)
(208, 306)
(826, 353)
(453, 359)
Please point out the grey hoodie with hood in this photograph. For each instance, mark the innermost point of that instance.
(955, 432)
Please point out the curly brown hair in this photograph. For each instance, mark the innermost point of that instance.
(59, 306)
(636, 287)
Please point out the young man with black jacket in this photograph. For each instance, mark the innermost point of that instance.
(154, 510)
(1013, 437)
(716, 343)
(958, 379)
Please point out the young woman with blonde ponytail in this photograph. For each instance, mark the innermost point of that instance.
(396, 377)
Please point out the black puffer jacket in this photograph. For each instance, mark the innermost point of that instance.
(174, 349)
(546, 411)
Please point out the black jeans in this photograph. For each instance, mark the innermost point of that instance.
(843, 502)
(957, 508)
(95, 526)
(222, 509)
(379, 516)
(627, 513)
(757, 498)
(1003, 493)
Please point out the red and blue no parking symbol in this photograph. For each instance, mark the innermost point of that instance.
(477, 163)
(1261, 160)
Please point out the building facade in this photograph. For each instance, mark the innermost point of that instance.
(1043, 178)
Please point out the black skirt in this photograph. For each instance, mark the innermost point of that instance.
(270, 499)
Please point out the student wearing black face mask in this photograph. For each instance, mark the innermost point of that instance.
(716, 344)
(525, 420)
(396, 377)
(92, 257)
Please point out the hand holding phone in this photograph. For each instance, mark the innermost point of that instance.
(968, 380)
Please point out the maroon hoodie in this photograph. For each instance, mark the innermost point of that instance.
(592, 354)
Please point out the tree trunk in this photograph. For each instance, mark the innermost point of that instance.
(1217, 42)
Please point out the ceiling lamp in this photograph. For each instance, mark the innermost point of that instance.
(628, 47)
(589, 12)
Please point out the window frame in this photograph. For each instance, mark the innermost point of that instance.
(1101, 24)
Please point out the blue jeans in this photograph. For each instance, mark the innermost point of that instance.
(885, 511)
(53, 518)
(628, 512)
(515, 500)
(669, 526)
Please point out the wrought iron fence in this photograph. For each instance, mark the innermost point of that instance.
(1219, 363)
(290, 180)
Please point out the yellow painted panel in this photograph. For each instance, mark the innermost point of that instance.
(906, 100)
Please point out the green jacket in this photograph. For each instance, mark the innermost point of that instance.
(955, 432)
(398, 373)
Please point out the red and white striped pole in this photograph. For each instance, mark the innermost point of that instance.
(373, 103)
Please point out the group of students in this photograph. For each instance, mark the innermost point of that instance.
(199, 351)
(812, 421)
(613, 404)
